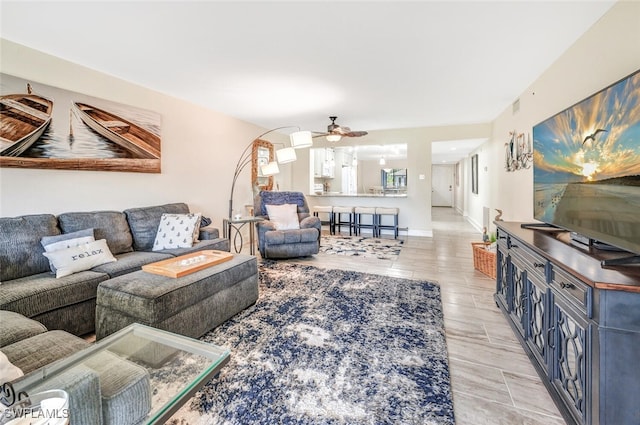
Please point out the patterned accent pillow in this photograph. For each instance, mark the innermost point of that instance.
(177, 231)
(80, 258)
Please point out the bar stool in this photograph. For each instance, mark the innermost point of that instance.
(380, 211)
(359, 225)
(320, 209)
(339, 222)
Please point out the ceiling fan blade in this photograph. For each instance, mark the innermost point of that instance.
(356, 134)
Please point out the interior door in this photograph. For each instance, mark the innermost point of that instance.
(442, 185)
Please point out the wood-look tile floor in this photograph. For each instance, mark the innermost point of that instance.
(492, 378)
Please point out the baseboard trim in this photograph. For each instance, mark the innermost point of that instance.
(423, 233)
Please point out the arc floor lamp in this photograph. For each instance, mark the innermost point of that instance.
(299, 139)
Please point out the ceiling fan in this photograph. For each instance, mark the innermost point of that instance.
(335, 132)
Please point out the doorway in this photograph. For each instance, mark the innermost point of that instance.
(442, 185)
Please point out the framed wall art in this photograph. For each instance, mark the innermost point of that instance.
(47, 127)
(474, 174)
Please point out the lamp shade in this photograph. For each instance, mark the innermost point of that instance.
(270, 169)
(301, 139)
(382, 161)
(285, 155)
(334, 138)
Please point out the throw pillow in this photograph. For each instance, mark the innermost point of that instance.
(48, 240)
(284, 217)
(196, 229)
(8, 371)
(80, 258)
(66, 240)
(177, 231)
(68, 243)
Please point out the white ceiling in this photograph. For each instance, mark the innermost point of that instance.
(376, 65)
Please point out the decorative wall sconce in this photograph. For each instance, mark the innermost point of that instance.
(518, 152)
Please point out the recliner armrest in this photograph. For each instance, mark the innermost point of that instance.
(266, 225)
(311, 222)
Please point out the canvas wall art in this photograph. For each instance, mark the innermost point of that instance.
(47, 127)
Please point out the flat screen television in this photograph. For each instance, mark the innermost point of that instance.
(586, 167)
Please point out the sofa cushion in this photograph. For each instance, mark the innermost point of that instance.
(41, 293)
(125, 388)
(130, 262)
(278, 237)
(15, 327)
(80, 258)
(109, 225)
(83, 386)
(20, 249)
(37, 351)
(144, 222)
(8, 371)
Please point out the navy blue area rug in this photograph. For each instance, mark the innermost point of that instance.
(325, 346)
(361, 246)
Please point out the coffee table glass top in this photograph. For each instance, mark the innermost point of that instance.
(178, 366)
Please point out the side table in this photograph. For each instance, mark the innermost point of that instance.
(236, 224)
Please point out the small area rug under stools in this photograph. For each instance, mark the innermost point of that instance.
(383, 249)
(325, 346)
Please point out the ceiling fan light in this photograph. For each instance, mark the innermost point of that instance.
(333, 137)
(301, 139)
(286, 155)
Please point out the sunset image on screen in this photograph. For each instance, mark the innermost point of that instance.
(587, 161)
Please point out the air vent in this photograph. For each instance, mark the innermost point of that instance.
(516, 106)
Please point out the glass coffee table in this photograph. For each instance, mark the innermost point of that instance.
(176, 367)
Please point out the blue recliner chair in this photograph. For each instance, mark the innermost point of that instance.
(273, 243)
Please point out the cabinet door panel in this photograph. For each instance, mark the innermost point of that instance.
(517, 296)
(538, 329)
(571, 359)
(502, 283)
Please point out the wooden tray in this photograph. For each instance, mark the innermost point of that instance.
(187, 264)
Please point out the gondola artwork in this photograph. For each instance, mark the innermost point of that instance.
(47, 127)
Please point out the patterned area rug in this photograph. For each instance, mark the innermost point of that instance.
(383, 249)
(327, 346)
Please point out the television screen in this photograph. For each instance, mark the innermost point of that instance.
(586, 160)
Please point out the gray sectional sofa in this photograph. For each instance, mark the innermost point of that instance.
(29, 287)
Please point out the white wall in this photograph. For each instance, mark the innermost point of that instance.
(200, 148)
(607, 52)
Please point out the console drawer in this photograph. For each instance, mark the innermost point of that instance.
(574, 291)
(530, 261)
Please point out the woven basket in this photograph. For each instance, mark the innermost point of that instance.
(484, 260)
